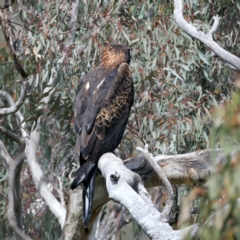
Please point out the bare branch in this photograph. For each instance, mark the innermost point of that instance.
(214, 26)
(120, 184)
(12, 136)
(17, 114)
(179, 169)
(4, 154)
(168, 207)
(204, 38)
(15, 107)
(31, 149)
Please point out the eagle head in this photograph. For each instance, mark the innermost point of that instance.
(113, 55)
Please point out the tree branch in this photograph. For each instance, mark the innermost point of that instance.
(186, 168)
(15, 107)
(168, 207)
(30, 150)
(17, 114)
(214, 26)
(4, 154)
(14, 212)
(121, 184)
(204, 38)
(12, 136)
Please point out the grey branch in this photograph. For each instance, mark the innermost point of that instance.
(12, 136)
(18, 114)
(204, 38)
(30, 150)
(14, 108)
(158, 170)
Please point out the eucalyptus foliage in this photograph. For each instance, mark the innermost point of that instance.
(177, 80)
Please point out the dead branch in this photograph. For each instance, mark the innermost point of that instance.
(30, 150)
(202, 37)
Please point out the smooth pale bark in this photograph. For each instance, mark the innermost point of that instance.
(179, 169)
(202, 37)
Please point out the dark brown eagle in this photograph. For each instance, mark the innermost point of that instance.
(101, 109)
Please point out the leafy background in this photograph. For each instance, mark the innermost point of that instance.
(182, 94)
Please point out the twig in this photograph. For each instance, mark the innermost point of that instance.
(60, 190)
(214, 26)
(167, 209)
(7, 30)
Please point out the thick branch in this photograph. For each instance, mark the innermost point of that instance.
(120, 184)
(31, 149)
(179, 169)
(204, 38)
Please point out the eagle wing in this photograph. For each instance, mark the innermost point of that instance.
(102, 108)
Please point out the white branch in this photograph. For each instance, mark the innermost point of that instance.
(121, 185)
(214, 26)
(31, 149)
(204, 38)
(179, 169)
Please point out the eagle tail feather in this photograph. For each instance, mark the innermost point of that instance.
(87, 195)
(81, 174)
